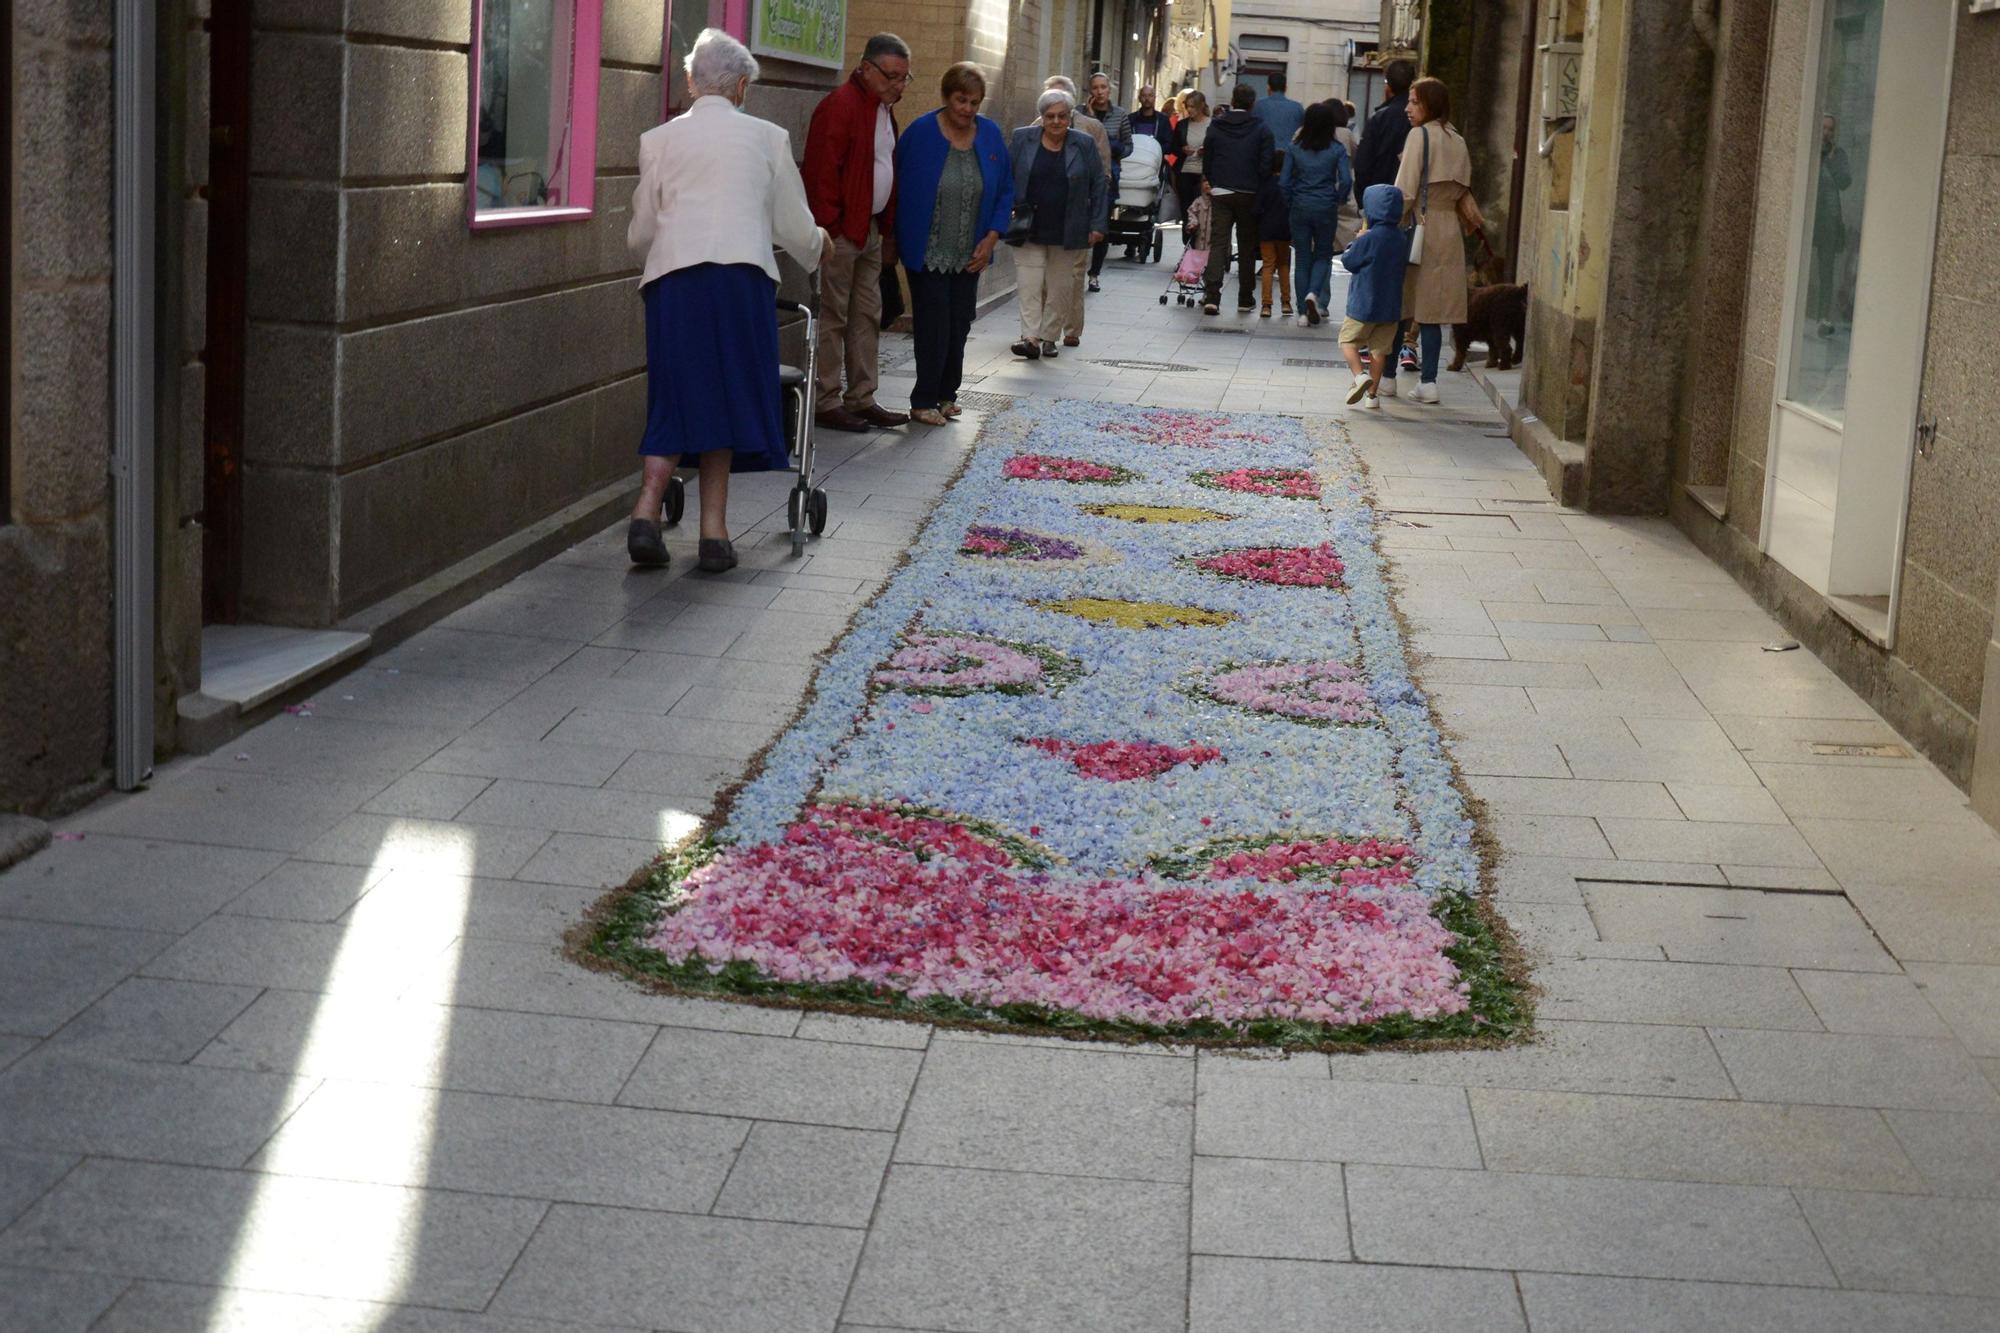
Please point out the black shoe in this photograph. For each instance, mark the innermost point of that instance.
(715, 555)
(1032, 351)
(1092, 285)
(643, 544)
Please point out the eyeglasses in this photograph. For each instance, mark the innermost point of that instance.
(904, 77)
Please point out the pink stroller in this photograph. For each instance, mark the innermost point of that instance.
(1186, 286)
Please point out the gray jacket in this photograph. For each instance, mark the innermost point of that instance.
(1089, 207)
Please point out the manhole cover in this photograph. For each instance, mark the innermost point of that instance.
(986, 402)
(1312, 362)
(1163, 367)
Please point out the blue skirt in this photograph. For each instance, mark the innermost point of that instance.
(712, 366)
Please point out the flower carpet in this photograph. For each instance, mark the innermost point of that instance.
(1129, 746)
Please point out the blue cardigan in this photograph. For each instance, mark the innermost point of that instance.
(920, 155)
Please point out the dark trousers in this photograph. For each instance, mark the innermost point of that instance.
(1235, 212)
(941, 310)
(1097, 253)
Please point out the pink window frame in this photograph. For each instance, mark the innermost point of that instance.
(732, 16)
(586, 42)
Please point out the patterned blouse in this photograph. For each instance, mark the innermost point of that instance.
(956, 215)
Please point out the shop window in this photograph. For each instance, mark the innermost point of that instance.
(533, 132)
(685, 20)
(1250, 41)
(1258, 76)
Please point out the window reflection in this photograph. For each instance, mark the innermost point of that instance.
(1849, 55)
(685, 20)
(526, 104)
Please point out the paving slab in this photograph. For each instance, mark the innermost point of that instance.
(521, 1146)
(1564, 1057)
(44, 1302)
(419, 1044)
(150, 1306)
(1264, 1209)
(953, 1248)
(1697, 994)
(1968, 998)
(1889, 1242)
(1334, 1121)
(1287, 1296)
(223, 808)
(1679, 1138)
(438, 651)
(728, 1275)
(863, 1031)
(469, 847)
(774, 1078)
(1559, 1303)
(277, 1233)
(50, 972)
(807, 1173)
(539, 761)
(306, 745)
(307, 891)
(501, 909)
(68, 1102)
(548, 806)
(297, 955)
(1958, 1152)
(1843, 1069)
(26, 1175)
(1870, 1003)
(129, 883)
(1071, 1112)
(1629, 1228)
(151, 1018)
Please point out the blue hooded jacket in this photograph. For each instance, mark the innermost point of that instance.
(1377, 259)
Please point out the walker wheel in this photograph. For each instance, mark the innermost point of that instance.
(1159, 245)
(816, 512)
(676, 500)
(1163, 298)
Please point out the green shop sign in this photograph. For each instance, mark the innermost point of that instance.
(812, 32)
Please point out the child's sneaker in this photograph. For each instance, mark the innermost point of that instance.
(1358, 390)
(1370, 403)
(1387, 388)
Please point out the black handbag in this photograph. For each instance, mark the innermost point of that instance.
(1019, 226)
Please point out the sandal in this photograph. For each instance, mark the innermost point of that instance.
(927, 416)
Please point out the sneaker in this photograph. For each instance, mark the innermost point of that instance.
(1245, 307)
(1408, 358)
(1303, 321)
(1050, 350)
(1286, 312)
(1387, 389)
(1357, 390)
(1370, 403)
(1426, 393)
(1312, 310)
(1265, 313)
(1092, 286)
(1210, 308)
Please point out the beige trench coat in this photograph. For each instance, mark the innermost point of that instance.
(1434, 291)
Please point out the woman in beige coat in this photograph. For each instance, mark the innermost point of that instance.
(1434, 290)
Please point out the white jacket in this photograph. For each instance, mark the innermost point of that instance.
(717, 186)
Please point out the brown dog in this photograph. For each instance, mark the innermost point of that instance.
(1497, 315)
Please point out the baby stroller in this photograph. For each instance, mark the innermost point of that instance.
(1135, 216)
(1186, 286)
(806, 506)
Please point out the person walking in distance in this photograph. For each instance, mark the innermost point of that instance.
(1149, 119)
(1235, 160)
(1274, 240)
(1280, 114)
(1314, 181)
(850, 180)
(1190, 142)
(1066, 195)
(1436, 181)
(1377, 261)
(1082, 120)
(716, 189)
(1117, 123)
(1381, 150)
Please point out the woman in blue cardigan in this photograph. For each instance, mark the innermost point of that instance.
(954, 197)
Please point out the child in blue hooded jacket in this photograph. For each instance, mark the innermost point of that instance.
(1376, 261)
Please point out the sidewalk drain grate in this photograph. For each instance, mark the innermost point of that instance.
(1845, 751)
(1311, 362)
(1162, 367)
(986, 402)
(1230, 333)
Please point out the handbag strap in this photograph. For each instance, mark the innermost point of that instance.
(1424, 181)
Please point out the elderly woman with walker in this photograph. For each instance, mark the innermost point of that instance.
(716, 189)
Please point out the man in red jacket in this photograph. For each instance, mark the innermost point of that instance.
(851, 185)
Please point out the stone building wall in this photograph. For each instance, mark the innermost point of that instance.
(55, 562)
(418, 391)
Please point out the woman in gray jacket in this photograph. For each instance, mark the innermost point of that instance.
(1060, 185)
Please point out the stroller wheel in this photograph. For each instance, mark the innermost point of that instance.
(1163, 298)
(816, 512)
(676, 500)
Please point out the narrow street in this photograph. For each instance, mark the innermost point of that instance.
(287, 1042)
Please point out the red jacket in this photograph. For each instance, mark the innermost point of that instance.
(840, 162)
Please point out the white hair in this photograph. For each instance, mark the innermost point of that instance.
(1061, 83)
(1051, 97)
(716, 62)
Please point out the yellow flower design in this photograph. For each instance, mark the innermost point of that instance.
(1136, 513)
(1137, 615)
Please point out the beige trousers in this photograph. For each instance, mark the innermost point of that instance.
(850, 323)
(1050, 282)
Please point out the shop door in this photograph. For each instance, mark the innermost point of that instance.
(228, 275)
(1850, 367)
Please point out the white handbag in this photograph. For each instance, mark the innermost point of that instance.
(1423, 201)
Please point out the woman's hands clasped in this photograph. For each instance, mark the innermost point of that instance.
(982, 254)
